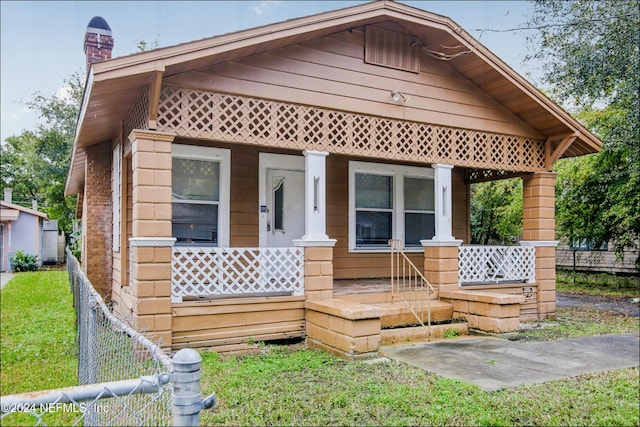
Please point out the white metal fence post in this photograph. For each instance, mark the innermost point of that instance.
(187, 400)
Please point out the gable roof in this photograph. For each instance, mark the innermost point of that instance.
(10, 212)
(112, 86)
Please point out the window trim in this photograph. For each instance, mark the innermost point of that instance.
(116, 182)
(398, 173)
(212, 154)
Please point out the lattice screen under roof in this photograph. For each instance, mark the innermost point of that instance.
(240, 119)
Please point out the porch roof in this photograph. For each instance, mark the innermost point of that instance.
(113, 86)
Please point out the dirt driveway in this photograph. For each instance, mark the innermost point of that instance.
(622, 305)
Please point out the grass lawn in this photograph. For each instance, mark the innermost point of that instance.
(37, 343)
(306, 387)
(37, 348)
(295, 386)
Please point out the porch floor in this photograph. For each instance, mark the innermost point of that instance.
(361, 286)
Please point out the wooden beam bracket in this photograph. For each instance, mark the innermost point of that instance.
(154, 98)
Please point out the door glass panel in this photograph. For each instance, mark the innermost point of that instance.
(278, 204)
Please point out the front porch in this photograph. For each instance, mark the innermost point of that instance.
(228, 298)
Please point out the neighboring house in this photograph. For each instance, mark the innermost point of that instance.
(245, 187)
(20, 229)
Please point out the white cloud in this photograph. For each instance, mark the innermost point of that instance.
(64, 94)
(264, 6)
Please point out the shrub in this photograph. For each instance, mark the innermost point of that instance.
(21, 261)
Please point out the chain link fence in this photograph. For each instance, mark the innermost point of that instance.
(110, 353)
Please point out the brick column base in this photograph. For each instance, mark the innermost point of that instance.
(151, 285)
(318, 268)
(441, 263)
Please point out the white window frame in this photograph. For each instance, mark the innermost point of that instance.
(398, 173)
(116, 167)
(222, 156)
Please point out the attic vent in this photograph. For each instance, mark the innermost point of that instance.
(390, 49)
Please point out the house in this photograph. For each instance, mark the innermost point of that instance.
(20, 229)
(249, 186)
(586, 257)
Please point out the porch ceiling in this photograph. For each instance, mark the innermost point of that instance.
(114, 85)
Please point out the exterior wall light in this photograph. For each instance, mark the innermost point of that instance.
(398, 96)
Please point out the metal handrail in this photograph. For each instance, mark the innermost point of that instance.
(408, 282)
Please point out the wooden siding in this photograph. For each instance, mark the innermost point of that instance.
(460, 200)
(244, 210)
(230, 323)
(121, 291)
(330, 72)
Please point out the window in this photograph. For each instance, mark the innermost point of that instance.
(115, 197)
(200, 201)
(419, 210)
(587, 245)
(389, 202)
(374, 209)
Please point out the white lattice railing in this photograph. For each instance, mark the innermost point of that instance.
(495, 264)
(205, 271)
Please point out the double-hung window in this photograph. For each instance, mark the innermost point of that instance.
(389, 202)
(200, 200)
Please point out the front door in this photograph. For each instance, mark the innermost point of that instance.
(285, 206)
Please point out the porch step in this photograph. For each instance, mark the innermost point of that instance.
(384, 297)
(394, 311)
(418, 333)
(398, 314)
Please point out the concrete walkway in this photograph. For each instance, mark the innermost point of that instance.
(4, 279)
(494, 364)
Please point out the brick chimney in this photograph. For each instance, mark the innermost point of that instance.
(98, 42)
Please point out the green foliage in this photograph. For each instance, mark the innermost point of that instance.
(598, 284)
(591, 52)
(451, 333)
(75, 244)
(35, 163)
(21, 261)
(143, 45)
(496, 212)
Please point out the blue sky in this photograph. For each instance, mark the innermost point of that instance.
(41, 43)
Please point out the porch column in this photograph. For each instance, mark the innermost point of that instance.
(315, 204)
(441, 252)
(151, 241)
(318, 248)
(538, 230)
(442, 195)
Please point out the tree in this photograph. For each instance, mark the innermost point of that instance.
(591, 54)
(35, 163)
(496, 212)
